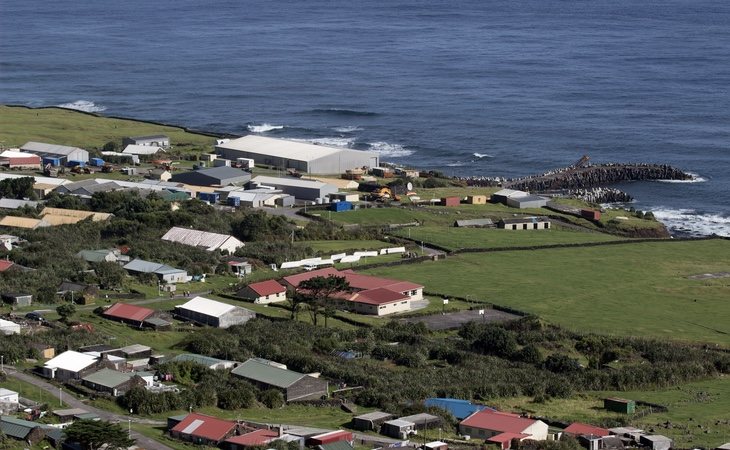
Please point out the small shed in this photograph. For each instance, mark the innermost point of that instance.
(18, 299)
(7, 327)
(656, 442)
(285, 201)
(476, 199)
(590, 214)
(397, 429)
(370, 421)
(8, 401)
(435, 445)
(474, 223)
(450, 201)
(330, 437)
(620, 405)
(340, 206)
(345, 196)
(423, 421)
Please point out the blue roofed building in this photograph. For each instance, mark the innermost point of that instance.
(460, 409)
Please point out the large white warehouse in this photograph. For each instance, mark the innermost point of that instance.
(302, 156)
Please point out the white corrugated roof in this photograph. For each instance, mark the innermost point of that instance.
(133, 149)
(282, 148)
(16, 154)
(71, 361)
(197, 238)
(281, 181)
(43, 180)
(207, 306)
(49, 148)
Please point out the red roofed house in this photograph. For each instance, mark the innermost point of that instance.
(131, 314)
(5, 265)
(372, 295)
(501, 428)
(583, 429)
(256, 438)
(203, 430)
(330, 437)
(268, 291)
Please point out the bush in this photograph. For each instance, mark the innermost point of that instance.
(272, 398)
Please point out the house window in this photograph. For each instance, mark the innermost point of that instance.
(514, 227)
(267, 297)
(414, 292)
(403, 303)
(524, 226)
(535, 226)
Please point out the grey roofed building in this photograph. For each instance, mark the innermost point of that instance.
(474, 223)
(422, 420)
(43, 149)
(295, 385)
(163, 271)
(160, 140)
(215, 176)
(302, 156)
(301, 189)
(527, 201)
(108, 380)
(11, 203)
(96, 256)
(207, 361)
(370, 421)
(525, 223)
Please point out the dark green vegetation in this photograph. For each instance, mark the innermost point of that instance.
(138, 224)
(93, 435)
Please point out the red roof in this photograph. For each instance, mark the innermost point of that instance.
(128, 312)
(330, 437)
(267, 287)
(580, 429)
(379, 296)
(498, 421)
(254, 438)
(356, 280)
(5, 265)
(506, 438)
(206, 427)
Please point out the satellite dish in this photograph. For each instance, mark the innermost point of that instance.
(409, 186)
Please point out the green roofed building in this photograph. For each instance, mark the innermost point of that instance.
(270, 375)
(112, 382)
(24, 430)
(207, 361)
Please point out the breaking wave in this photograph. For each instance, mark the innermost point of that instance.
(330, 141)
(690, 222)
(347, 129)
(83, 105)
(390, 150)
(263, 128)
(482, 155)
(695, 179)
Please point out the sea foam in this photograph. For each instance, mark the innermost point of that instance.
(390, 150)
(689, 221)
(83, 105)
(263, 128)
(329, 141)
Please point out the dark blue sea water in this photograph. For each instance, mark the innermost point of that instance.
(474, 87)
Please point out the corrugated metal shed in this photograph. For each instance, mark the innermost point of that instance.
(207, 306)
(108, 378)
(207, 240)
(267, 373)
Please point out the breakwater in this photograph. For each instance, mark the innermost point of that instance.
(600, 195)
(595, 176)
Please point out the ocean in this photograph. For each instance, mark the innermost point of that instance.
(473, 87)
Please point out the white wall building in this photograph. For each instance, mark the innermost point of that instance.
(204, 239)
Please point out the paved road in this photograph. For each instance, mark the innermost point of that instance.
(455, 320)
(68, 400)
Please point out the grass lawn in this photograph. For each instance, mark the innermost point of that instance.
(704, 403)
(636, 289)
(58, 126)
(456, 238)
(341, 246)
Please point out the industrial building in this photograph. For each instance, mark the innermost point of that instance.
(159, 140)
(215, 176)
(203, 239)
(263, 292)
(302, 156)
(370, 421)
(144, 150)
(112, 382)
(270, 375)
(296, 187)
(69, 365)
(207, 361)
(59, 154)
(216, 314)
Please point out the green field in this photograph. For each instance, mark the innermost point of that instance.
(457, 238)
(344, 245)
(636, 289)
(19, 125)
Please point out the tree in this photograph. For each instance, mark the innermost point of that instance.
(94, 435)
(496, 341)
(318, 291)
(110, 146)
(18, 188)
(111, 275)
(272, 398)
(66, 311)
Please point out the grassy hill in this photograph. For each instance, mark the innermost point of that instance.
(19, 125)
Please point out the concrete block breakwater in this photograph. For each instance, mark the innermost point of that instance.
(596, 175)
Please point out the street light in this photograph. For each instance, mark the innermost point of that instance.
(2, 363)
(60, 396)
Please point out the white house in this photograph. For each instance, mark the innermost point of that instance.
(8, 327)
(68, 365)
(8, 401)
(269, 291)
